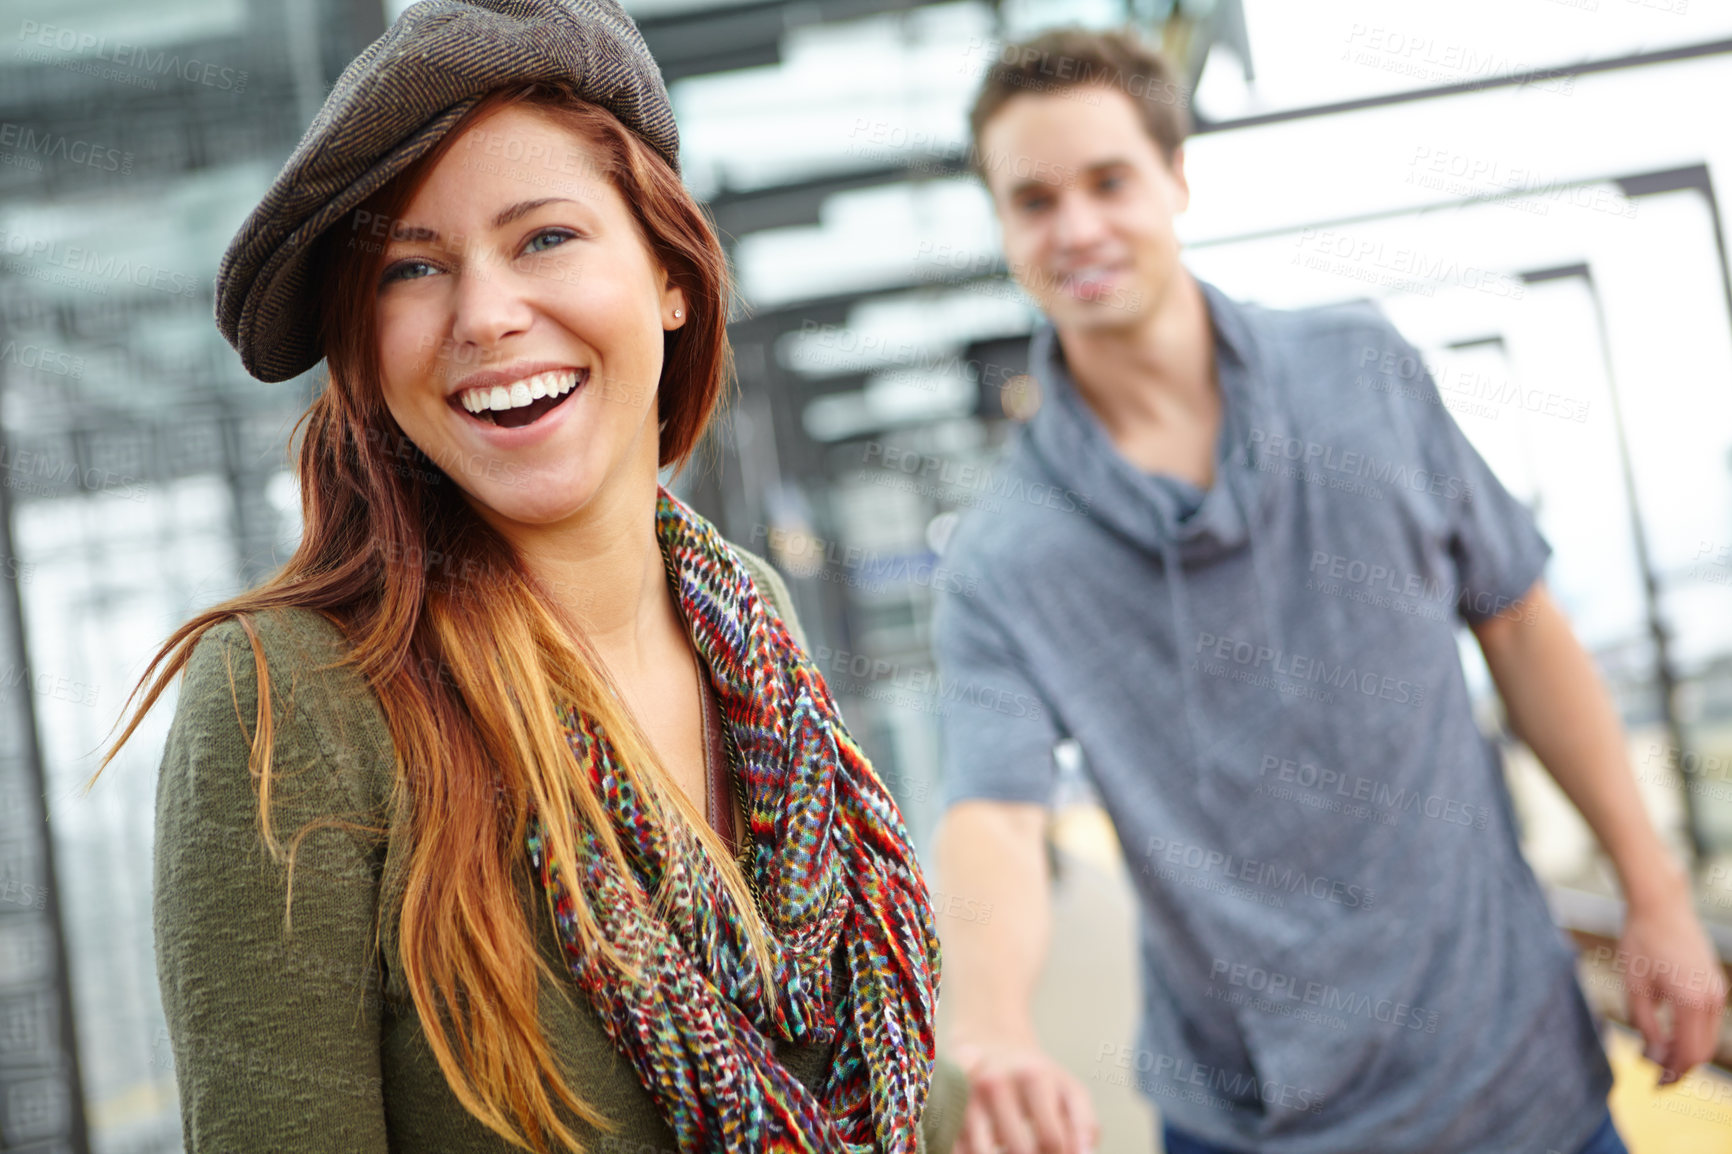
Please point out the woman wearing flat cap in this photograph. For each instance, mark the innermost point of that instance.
(511, 813)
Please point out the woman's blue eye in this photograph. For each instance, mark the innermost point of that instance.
(559, 235)
(415, 268)
(403, 270)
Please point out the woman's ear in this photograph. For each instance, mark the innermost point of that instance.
(674, 311)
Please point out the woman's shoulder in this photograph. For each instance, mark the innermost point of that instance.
(322, 708)
(300, 648)
(290, 637)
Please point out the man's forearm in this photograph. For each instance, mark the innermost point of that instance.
(1558, 705)
(993, 853)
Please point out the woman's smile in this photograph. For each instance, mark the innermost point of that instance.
(516, 397)
(514, 426)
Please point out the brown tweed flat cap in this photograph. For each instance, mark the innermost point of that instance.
(392, 103)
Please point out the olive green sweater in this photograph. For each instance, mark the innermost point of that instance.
(302, 1040)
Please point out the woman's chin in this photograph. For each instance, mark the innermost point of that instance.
(529, 504)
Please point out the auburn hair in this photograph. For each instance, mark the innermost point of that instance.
(468, 669)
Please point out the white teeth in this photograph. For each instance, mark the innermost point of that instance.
(554, 383)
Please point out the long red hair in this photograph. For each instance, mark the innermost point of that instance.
(466, 670)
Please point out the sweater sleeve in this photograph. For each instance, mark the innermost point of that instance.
(946, 1102)
(275, 1030)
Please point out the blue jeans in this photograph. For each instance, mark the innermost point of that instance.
(1605, 1140)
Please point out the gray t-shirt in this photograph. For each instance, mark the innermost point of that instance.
(1343, 948)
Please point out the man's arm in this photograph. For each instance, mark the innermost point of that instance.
(999, 771)
(1020, 1100)
(1557, 704)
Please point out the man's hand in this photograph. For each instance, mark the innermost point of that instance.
(1020, 1101)
(1664, 956)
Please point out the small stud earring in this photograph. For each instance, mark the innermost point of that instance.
(678, 314)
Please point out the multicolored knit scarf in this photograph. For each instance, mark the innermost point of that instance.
(833, 863)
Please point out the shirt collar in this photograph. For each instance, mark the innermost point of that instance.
(1067, 434)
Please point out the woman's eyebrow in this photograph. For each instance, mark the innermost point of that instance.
(526, 206)
(505, 217)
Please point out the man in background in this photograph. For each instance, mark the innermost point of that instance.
(1244, 613)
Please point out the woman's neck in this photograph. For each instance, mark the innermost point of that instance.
(604, 566)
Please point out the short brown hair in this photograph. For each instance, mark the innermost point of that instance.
(1064, 59)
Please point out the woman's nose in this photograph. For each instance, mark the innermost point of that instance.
(488, 306)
